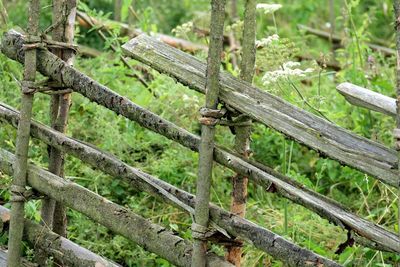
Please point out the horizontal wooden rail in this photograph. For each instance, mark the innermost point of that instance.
(262, 238)
(152, 237)
(262, 175)
(307, 128)
(53, 67)
(60, 248)
(365, 98)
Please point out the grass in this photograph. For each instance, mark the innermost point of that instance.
(169, 161)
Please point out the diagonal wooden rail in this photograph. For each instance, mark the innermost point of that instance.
(263, 239)
(307, 128)
(120, 220)
(58, 247)
(285, 186)
(55, 68)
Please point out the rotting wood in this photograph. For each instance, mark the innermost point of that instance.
(243, 133)
(51, 66)
(337, 39)
(185, 45)
(60, 248)
(368, 99)
(18, 185)
(120, 220)
(206, 147)
(291, 190)
(315, 132)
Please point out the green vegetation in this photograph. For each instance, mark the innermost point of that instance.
(357, 22)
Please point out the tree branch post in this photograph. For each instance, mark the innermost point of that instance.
(243, 133)
(18, 187)
(201, 217)
(397, 130)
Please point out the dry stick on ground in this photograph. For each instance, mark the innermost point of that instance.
(53, 214)
(263, 239)
(91, 23)
(118, 219)
(50, 65)
(325, 137)
(204, 177)
(338, 40)
(396, 5)
(243, 133)
(18, 186)
(60, 248)
(185, 45)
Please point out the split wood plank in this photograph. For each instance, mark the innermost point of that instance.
(368, 99)
(51, 66)
(315, 132)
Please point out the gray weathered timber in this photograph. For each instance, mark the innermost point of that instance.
(144, 182)
(62, 249)
(307, 128)
(206, 147)
(396, 7)
(22, 145)
(365, 98)
(152, 237)
(53, 67)
(262, 238)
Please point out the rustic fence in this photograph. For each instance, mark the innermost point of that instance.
(211, 223)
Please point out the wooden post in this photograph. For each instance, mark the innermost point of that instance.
(243, 133)
(18, 186)
(117, 10)
(397, 131)
(54, 214)
(200, 224)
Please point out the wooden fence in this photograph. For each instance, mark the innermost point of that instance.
(224, 227)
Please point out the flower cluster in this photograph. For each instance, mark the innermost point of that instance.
(267, 41)
(183, 30)
(269, 8)
(288, 70)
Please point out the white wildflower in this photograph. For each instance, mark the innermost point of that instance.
(183, 30)
(287, 71)
(267, 41)
(269, 8)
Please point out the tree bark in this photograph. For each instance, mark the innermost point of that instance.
(60, 248)
(266, 177)
(146, 183)
(63, 32)
(243, 133)
(315, 132)
(152, 237)
(206, 148)
(22, 146)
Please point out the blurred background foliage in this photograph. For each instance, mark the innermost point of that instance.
(357, 22)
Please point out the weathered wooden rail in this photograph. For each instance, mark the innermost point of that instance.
(284, 185)
(307, 128)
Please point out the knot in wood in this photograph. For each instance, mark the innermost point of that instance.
(200, 232)
(396, 135)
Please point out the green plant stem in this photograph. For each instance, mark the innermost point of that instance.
(353, 26)
(208, 132)
(22, 146)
